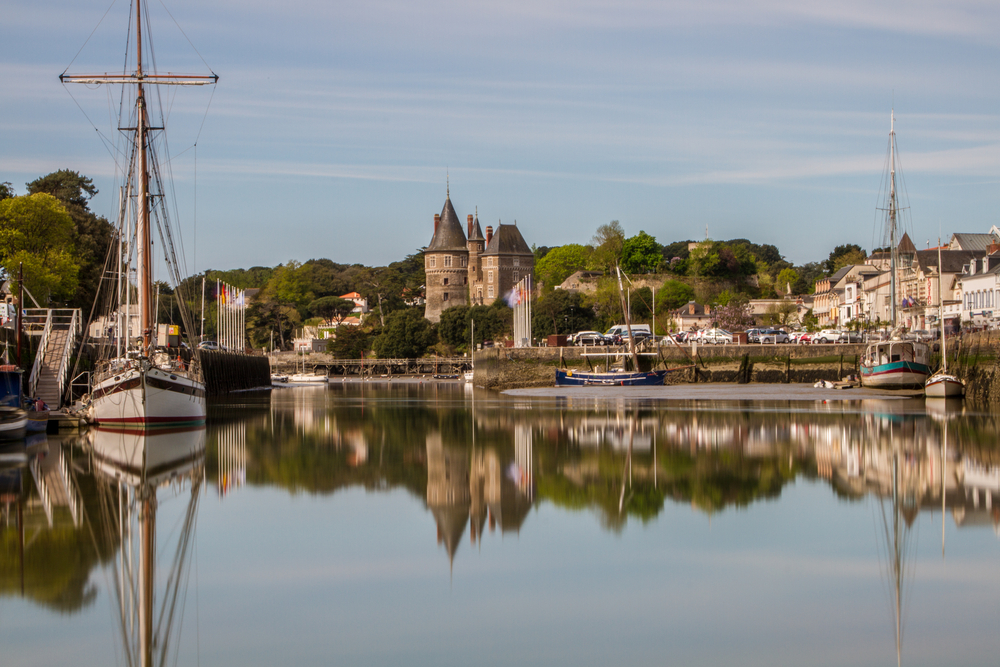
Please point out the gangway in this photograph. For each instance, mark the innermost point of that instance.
(57, 329)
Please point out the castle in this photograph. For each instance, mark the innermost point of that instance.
(464, 267)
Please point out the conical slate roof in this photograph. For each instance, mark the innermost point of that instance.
(507, 239)
(477, 231)
(449, 234)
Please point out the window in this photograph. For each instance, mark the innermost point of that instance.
(491, 291)
(445, 298)
(464, 259)
(517, 261)
(515, 276)
(489, 261)
(489, 275)
(432, 262)
(444, 281)
(466, 280)
(447, 261)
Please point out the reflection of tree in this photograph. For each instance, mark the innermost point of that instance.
(58, 561)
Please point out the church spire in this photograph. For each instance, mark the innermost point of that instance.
(447, 185)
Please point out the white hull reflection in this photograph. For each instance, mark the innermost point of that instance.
(136, 457)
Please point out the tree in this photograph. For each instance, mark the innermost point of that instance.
(92, 235)
(735, 315)
(608, 242)
(781, 314)
(560, 312)
(349, 343)
(286, 294)
(560, 263)
(407, 335)
(641, 254)
(785, 280)
(331, 308)
(6, 191)
(453, 328)
(640, 304)
(36, 230)
(843, 255)
(673, 295)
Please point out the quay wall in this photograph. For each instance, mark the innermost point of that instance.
(975, 357)
(228, 372)
(509, 368)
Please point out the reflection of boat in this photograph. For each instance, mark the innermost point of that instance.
(895, 363)
(13, 423)
(132, 468)
(134, 384)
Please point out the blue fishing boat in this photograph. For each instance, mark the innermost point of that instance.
(612, 379)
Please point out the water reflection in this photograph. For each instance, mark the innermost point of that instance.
(135, 473)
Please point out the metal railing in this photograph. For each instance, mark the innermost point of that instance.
(67, 351)
(43, 346)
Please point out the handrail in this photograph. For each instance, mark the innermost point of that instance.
(71, 498)
(36, 368)
(67, 351)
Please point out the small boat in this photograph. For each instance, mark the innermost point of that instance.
(942, 384)
(612, 379)
(13, 423)
(306, 380)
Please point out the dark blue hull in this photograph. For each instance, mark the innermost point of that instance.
(578, 378)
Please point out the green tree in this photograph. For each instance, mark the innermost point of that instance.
(560, 312)
(453, 328)
(349, 343)
(331, 308)
(641, 254)
(92, 235)
(608, 242)
(844, 255)
(6, 191)
(786, 280)
(703, 260)
(673, 295)
(560, 263)
(407, 335)
(281, 302)
(36, 230)
(641, 304)
(780, 314)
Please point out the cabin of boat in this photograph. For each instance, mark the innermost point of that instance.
(895, 363)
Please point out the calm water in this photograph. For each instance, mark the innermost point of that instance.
(430, 525)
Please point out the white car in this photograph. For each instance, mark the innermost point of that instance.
(826, 336)
(716, 336)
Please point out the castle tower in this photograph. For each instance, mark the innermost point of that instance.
(446, 261)
(506, 259)
(477, 244)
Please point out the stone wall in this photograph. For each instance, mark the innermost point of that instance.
(974, 358)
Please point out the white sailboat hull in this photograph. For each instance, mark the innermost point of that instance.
(148, 398)
(942, 385)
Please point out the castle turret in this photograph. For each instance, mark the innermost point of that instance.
(446, 264)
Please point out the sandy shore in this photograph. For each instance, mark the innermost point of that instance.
(717, 392)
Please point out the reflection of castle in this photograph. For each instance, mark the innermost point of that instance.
(478, 488)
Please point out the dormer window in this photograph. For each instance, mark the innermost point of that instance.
(447, 261)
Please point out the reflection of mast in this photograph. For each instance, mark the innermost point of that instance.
(133, 466)
(896, 544)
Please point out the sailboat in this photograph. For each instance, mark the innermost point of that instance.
(614, 378)
(895, 363)
(134, 385)
(942, 384)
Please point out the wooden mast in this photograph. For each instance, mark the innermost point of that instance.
(144, 258)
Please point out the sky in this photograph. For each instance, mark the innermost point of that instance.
(336, 127)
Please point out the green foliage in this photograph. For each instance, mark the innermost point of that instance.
(560, 263)
(92, 235)
(787, 277)
(641, 254)
(37, 230)
(673, 295)
(713, 259)
(331, 308)
(560, 312)
(540, 251)
(808, 275)
(641, 304)
(350, 343)
(608, 242)
(493, 322)
(780, 314)
(453, 328)
(406, 335)
(677, 249)
(6, 191)
(843, 255)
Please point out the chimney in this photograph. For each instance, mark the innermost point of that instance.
(470, 226)
(437, 221)
(489, 233)
(691, 309)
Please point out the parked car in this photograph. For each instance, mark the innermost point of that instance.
(772, 336)
(802, 337)
(208, 345)
(681, 336)
(589, 338)
(851, 337)
(640, 336)
(826, 336)
(716, 337)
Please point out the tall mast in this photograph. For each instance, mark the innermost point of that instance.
(145, 254)
(892, 219)
(944, 352)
